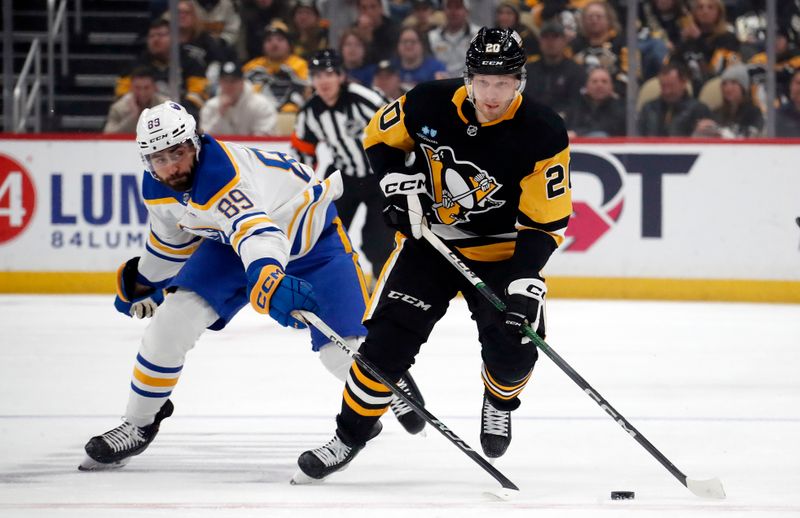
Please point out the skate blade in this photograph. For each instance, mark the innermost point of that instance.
(301, 479)
(89, 464)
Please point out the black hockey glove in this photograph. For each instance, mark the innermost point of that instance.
(524, 306)
(403, 206)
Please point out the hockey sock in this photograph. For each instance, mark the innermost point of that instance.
(364, 401)
(504, 393)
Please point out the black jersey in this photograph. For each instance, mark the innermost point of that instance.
(489, 183)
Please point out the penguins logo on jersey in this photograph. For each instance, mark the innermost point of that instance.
(459, 188)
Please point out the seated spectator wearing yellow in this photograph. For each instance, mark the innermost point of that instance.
(279, 73)
(599, 112)
(553, 79)
(664, 19)
(507, 16)
(124, 113)
(675, 113)
(600, 43)
(309, 30)
(787, 121)
(738, 117)
(787, 60)
(237, 109)
(156, 57)
(708, 44)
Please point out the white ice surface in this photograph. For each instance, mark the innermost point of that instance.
(715, 387)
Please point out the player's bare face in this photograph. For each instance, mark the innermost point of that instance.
(493, 95)
(173, 166)
(327, 84)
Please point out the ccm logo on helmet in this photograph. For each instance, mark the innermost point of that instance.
(398, 183)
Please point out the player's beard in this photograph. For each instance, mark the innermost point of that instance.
(181, 182)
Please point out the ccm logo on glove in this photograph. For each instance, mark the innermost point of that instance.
(399, 183)
(264, 287)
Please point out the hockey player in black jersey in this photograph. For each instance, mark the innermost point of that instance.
(491, 178)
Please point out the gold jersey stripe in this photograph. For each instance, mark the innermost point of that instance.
(489, 253)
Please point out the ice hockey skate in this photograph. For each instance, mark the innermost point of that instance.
(315, 465)
(495, 429)
(409, 419)
(114, 449)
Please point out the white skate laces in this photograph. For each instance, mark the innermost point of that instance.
(398, 406)
(495, 422)
(124, 437)
(332, 453)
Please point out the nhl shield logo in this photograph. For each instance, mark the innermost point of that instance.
(460, 188)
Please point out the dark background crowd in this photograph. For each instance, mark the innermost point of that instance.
(702, 72)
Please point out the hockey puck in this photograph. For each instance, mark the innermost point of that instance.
(622, 495)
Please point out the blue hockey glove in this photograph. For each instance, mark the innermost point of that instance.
(142, 306)
(524, 305)
(403, 209)
(277, 294)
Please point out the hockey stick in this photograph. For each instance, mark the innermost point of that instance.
(711, 488)
(373, 371)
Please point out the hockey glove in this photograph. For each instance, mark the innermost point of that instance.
(402, 207)
(524, 305)
(277, 294)
(142, 306)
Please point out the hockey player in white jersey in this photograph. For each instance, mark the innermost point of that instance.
(229, 225)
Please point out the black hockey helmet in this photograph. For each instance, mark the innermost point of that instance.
(495, 51)
(326, 59)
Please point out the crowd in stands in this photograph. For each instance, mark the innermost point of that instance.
(244, 63)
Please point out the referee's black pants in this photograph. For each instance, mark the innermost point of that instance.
(376, 237)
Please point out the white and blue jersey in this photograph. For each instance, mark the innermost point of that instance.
(247, 204)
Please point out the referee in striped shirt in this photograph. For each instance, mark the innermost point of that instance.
(337, 114)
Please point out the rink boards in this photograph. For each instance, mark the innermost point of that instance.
(680, 220)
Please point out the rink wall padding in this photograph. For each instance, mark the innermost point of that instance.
(653, 219)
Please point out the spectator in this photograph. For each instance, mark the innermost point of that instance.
(221, 19)
(787, 122)
(564, 12)
(601, 44)
(413, 62)
(199, 44)
(309, 30)
(237, 109)
(387, 81)
(377, 29)
(599, 112)
(353, 49)
(424, 17)
(124, 113)
(675, 113)
(506, 16)
(553, 79)
(787, 60)
(256, 15)
(279, 74)
(156, 56)
(709, 44)
(664, 19)
(738, 117)
(449, 43)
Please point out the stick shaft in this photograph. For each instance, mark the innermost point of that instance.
(377, 374)
(487, 292)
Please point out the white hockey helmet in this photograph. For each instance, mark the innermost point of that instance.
(162, 127)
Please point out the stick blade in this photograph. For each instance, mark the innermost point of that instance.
(710, 488)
